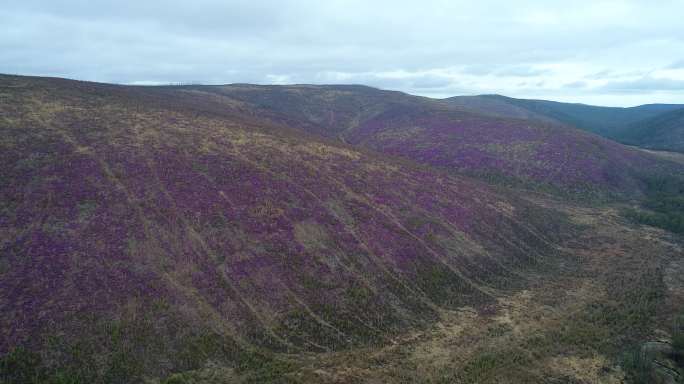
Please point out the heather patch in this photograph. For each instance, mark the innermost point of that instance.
(167, 233)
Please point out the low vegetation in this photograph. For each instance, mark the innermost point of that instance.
(663, 206)
(198, 234)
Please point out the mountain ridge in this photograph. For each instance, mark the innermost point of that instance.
(617, 123)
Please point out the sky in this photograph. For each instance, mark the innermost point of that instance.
(618, 53)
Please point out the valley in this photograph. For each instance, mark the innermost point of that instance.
(574, 326)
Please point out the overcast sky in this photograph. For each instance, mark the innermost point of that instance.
(599, 52)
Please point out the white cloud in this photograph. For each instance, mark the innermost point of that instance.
(646, 84)
(433, 47)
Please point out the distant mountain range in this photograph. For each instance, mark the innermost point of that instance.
(654, 126)
(664, 131)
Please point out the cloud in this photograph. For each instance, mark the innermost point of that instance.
(612, 74)
(518, 70)
(676, 65)
(431, 81)
(431, 47)
(576, 84)
(522, 71)
(644, 84)
(478, 70)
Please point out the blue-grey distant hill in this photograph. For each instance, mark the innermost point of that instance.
(664, 131)
(655, 126)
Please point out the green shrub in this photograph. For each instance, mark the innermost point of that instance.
(175, 379)
(678, 342)
(665, 204)
(638, 366)
(20, 366)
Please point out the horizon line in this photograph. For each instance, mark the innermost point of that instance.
(202, 84)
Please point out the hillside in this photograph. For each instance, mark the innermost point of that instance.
(121, 205)
(531, 152)
(663, 132)
(497, 106)
(329, 111)
(460, 138)
(621, 124)
(227, 234)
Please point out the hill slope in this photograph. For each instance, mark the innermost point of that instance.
(459, 138)
(146, 231)
(497, 106)
(662, 132)
(621, 124)
(234, 234)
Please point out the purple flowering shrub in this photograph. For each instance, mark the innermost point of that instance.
(521, 149)
(441, 134)
(108, 201)
(116, 199)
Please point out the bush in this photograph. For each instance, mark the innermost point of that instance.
(678, 342)
(665, 202)
(20, 366)
(638, 366)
